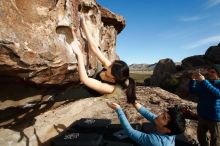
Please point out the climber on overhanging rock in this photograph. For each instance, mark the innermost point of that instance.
(113, 74)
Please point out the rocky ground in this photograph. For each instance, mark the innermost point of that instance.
(38, 129)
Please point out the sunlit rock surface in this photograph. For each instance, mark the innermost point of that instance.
(32, 34)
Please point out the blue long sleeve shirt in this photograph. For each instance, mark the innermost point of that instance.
(208, 99)
(144, 139)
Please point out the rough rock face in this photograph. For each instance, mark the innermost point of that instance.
(194, 62)
(32, 50)
(213, 54)
(32, 34)
(163, 69)
(33, 56)
(109, 18)
(38, 130)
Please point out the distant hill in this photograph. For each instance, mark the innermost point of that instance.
(178, 63)
(142, 67)
(152, 66)
(145, 67)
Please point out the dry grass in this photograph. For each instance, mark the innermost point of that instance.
(140, 76)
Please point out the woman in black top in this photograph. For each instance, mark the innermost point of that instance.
(116, 72)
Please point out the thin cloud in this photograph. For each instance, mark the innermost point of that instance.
(173, 34)
(203, 42)
(217, 24)
(189, 19)
(212, 3)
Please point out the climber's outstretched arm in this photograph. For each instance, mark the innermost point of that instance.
(93, 46)
(92, 83)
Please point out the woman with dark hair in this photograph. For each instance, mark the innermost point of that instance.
(116, 73)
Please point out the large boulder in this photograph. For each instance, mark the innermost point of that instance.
(163, 70)
(213, 54)
(33, 56)
(32, 34)
(193, 62)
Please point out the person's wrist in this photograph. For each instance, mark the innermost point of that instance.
(135, 103)
(201, 79)
(117, 108)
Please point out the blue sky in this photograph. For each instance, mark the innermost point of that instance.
(158, 29)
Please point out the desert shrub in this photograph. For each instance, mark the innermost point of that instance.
(170, 84)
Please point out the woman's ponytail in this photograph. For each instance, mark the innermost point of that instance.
(131, 91)
(120, 71)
